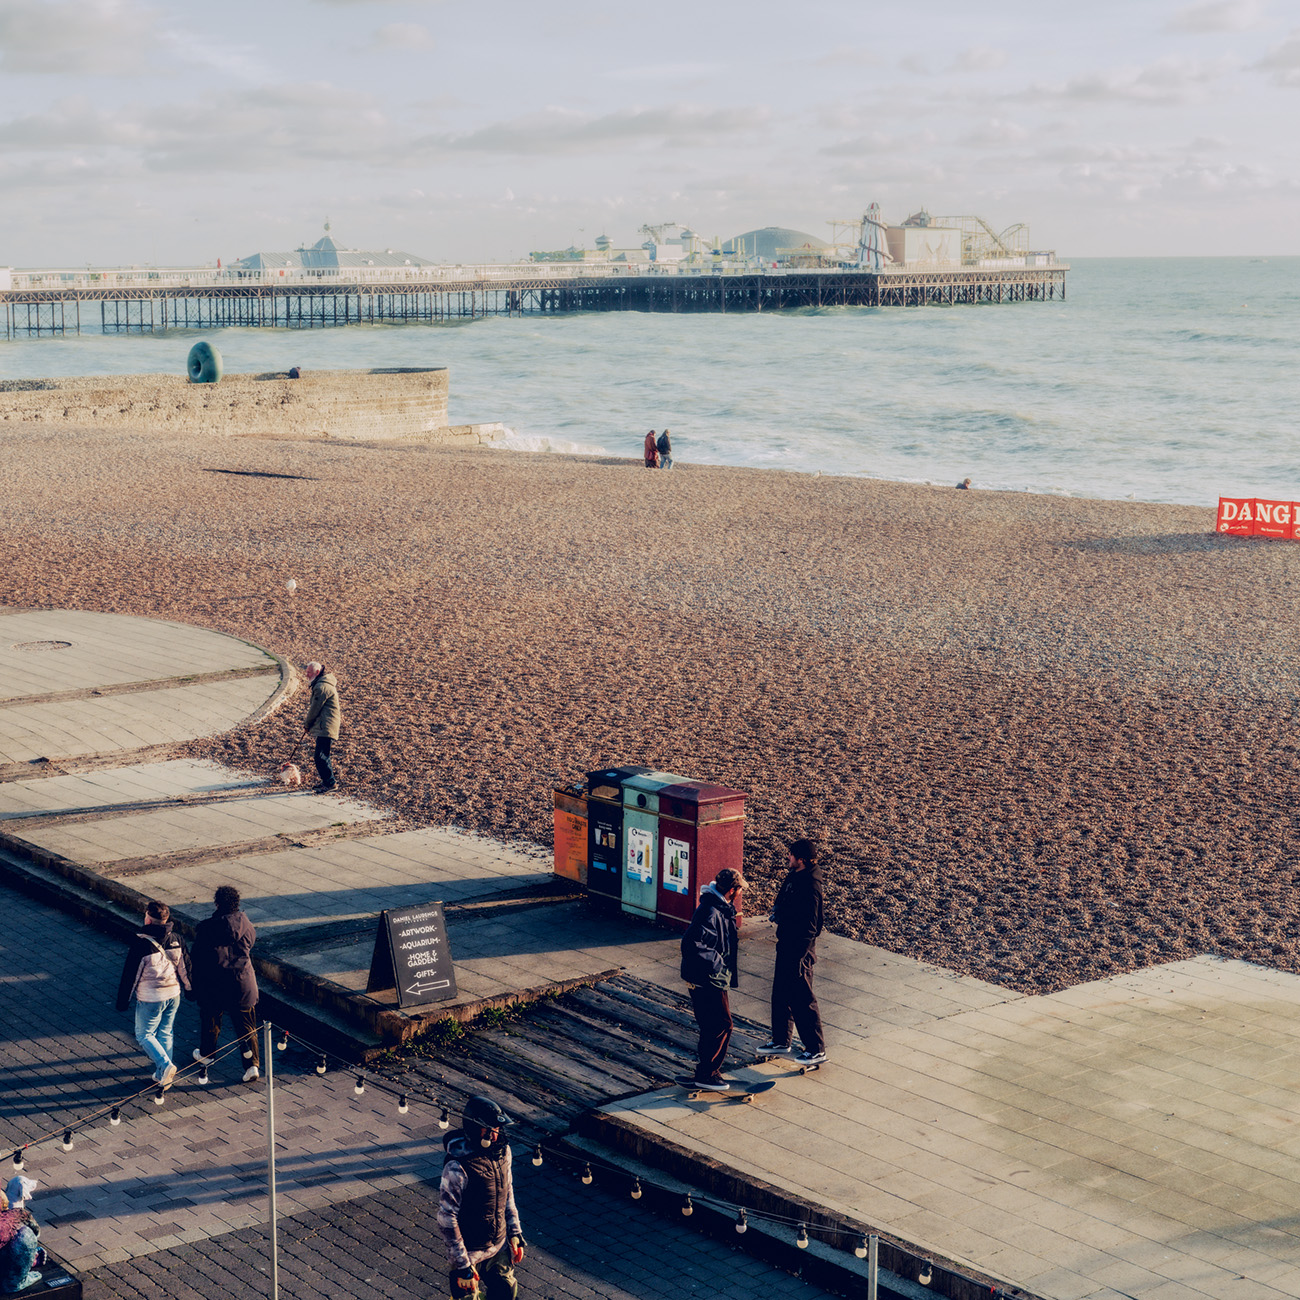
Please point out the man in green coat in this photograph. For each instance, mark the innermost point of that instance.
(323, 717)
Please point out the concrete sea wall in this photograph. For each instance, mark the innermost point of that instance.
(357, 404)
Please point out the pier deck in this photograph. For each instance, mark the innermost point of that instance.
(148, 307)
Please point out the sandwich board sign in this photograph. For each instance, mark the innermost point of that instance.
(413, 956)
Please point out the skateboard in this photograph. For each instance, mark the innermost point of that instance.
(789, 1060)
(742, 1092)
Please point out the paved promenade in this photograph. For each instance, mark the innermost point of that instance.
(1137, 1137)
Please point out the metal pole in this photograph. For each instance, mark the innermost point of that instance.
(268, 1063)
(873, 1266)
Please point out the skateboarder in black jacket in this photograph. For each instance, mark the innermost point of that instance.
(798, 917)
(710, 964)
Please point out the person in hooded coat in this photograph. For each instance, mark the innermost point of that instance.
(225, 982)
(710, 965)
(651, 451)
(476, 1206)
(324, 714)
(155, 974)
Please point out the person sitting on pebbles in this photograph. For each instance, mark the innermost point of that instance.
(323, 717)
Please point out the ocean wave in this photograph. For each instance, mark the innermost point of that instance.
(540, 442)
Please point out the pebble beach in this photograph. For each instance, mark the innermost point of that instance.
(1042, 740)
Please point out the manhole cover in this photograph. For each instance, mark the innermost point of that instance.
(42, 645)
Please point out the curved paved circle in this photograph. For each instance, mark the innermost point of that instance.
(75, 683)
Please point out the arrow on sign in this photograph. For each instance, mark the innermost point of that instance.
(418, 989)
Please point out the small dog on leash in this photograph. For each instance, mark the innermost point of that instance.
(289, 774)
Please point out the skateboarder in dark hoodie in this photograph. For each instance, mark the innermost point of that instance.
(798, 917)
(476, 1206)
(710, 964)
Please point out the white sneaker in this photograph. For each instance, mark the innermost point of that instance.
(201, 1059)
(252, 1074)
(168, 1077)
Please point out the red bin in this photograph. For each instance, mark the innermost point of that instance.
(701, 830)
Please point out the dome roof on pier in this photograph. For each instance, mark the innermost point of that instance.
(326, 254)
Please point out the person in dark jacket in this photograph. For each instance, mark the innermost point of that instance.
(798, 917)
(156, 973)
(225, 982)
(324, 716)
(664, 445)
(476, 1206)
(710, 966)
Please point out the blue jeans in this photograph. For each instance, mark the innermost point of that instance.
(153, 1031)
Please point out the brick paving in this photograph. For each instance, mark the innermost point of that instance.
(171, 1202)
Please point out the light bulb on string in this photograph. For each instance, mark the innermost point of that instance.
(360, 1086)
(802, 1239)
(742, 1223)
(159, 1095)
(860, 1250)
(537, 1156)
(403, 1105)
(283, 1041)
(688, 1206)
(18, 1160)
(926, 1275)
(321, 1065)
(444, 1120)
(636, 1189)
(67, 1140)
(586, 1175)
(115, 1116)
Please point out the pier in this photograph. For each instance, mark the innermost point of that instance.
(146, 301)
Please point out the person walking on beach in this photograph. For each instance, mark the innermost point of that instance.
(323, 717)
(155, 973)
(651, 451)
(225, 982)
(710, 966)
(798, 916)
(476, 1206)
(665, 448)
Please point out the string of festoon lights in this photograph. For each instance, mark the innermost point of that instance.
(585, 1167)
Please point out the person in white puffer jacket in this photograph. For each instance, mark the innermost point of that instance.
(155, 974)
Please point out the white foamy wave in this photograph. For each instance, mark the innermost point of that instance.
(540, 442)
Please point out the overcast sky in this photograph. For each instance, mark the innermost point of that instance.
(162, 131)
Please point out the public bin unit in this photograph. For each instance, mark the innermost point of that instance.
(605, 830)
(701, 830)
(641, 841)
(571, 832)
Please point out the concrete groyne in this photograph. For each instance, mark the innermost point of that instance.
(351, 404)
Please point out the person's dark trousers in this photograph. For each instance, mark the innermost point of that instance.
(793, 1000)
(241, 1022)
(713, 1018)
(496, 1279)
(324, 768)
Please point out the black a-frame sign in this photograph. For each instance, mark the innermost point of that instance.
(413, 956)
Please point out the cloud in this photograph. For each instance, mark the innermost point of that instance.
(1283, 61)
(666, 72)
(850, 56)
(995, 134)
(402, 36)
(1217, 16)
(560, 130)
(107, 37)
(1168, 81)
(979, 58)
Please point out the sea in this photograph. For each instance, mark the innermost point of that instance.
(1157, 379)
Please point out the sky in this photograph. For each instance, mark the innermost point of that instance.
(169, 132)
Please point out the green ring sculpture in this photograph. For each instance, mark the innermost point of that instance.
(204, 364)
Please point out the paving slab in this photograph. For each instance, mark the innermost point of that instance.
(192, 827)
(71, 728)
(109, 650)
(353, 879)
(1175, 1178)
(107, 788)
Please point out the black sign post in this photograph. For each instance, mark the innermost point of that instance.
(413, 956)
